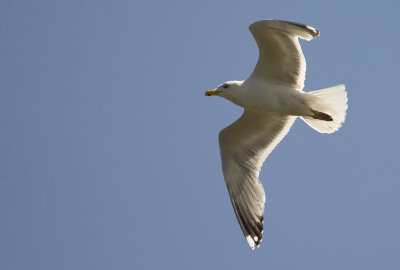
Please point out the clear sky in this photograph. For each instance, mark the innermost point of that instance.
(109, 156)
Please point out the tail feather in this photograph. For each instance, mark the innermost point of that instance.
(331, 102)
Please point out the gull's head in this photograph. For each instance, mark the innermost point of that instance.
(228, 90)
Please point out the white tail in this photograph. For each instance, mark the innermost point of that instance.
(332, 101)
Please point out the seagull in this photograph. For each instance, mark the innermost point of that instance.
(272, 98)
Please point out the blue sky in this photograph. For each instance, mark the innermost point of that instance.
(109, 156)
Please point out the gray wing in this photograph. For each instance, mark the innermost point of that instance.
(281, 59)
(244, 146)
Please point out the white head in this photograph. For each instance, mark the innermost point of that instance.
(229, 90)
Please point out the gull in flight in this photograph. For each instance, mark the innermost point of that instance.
(272, 99)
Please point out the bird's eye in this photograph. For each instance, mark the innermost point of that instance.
(225, 85)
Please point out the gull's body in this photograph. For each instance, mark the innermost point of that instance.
(272, 98)
(266, 97)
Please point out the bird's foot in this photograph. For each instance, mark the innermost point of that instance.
(321, 116)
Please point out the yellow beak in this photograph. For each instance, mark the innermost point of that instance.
(212, 92)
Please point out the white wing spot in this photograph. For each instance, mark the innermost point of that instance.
(250, 242)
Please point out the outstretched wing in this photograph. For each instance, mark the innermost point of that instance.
(244, 146)
(281, 59)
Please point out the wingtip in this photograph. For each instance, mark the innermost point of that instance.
(314, 32)
(250, 241)
(253, 242)
(310, 33)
